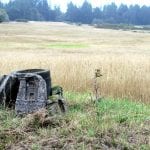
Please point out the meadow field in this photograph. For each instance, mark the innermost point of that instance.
(72, 53)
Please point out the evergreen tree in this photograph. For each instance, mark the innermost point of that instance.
(3, 16)
(39, 10)
(22, 9)
(133, 13)
(56, 14)
(44, 9)
(97, 13)
(1, 5)
(122, 14)
(110, 13)
(72, 13)
(86, 15)
(144, 16)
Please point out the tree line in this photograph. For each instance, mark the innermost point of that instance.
(40, 10)
(35, 10)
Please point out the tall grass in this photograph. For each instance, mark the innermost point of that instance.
(122, 56)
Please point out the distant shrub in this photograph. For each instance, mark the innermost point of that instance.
(3, 16)
(118, 26)
(79, 24)
(97, 21)
(21, 20)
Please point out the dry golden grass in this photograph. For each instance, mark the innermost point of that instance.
(123, 56)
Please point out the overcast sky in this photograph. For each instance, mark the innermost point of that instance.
(63, 3)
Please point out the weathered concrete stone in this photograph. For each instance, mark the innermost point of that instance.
(32, 94)
(45, 74)
(27, 91)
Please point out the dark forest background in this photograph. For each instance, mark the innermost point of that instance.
(40, 10)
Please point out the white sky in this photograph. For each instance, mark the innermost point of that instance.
(99, 3)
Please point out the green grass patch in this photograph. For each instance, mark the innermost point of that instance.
(118, 110)
(67, 45)
(123, 110)
(109, 110)
(8, 119)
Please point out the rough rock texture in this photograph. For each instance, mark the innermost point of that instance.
(32, 94)
(45, 74)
